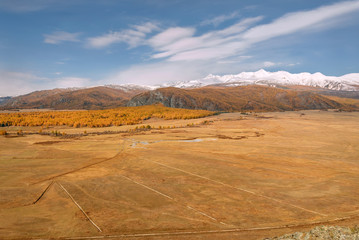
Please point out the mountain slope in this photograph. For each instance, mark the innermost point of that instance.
(244, 98)
(89, 98)
(29, 100)
(4, 99)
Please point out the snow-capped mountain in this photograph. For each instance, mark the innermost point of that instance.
(348, 82)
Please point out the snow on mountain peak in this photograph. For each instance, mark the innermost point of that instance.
(348, 82)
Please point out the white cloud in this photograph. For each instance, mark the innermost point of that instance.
(239, 37)
(147, 27)
(170, 35)
(182, 43)
(19, 83)
(69, 82)
(219, 19)
(25, 5)
(238, 27)
(60, 36)
(156, 73)
(299, 21)
(171, 72)
(209, 45)
(104, 40)
(269, 64)
(133, 37)
(292, 64)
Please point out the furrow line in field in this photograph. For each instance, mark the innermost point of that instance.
(242, 189)
(74, 201)
(172, 199)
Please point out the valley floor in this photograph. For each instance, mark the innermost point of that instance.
(239, 176)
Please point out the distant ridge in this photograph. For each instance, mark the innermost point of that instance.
(102, 97)
(214, 92)
(243, 98)
(348, 82)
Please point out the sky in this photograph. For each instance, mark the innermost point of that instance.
(46, 44)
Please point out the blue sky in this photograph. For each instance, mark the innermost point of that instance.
(47, 44)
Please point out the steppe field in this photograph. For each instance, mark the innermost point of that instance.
(228, 176)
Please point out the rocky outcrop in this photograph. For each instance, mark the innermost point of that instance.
(3, 100)
(323, 233)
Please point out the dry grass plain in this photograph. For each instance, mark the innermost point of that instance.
(239, 177)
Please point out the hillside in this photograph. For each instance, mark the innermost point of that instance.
(213, 98)
(243, 98)
(90, 98)
(4, 99)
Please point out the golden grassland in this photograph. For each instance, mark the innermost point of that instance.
(238, 177)
(98, 118)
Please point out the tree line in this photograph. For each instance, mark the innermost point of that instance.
(98, 118)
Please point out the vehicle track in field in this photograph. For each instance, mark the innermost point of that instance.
(176, 201)
(140, 208)
(79, 207)
(242, 189)
(83, 167)
(206, 232)
(43, 193)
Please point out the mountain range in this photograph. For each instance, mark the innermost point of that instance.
(348, 82)
(241, 98)
(257, 91)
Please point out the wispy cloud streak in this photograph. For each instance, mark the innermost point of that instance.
(182, 43)
(21, 6)
(241, 37)
(60, 37)
(134, 36)
(219, 19)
